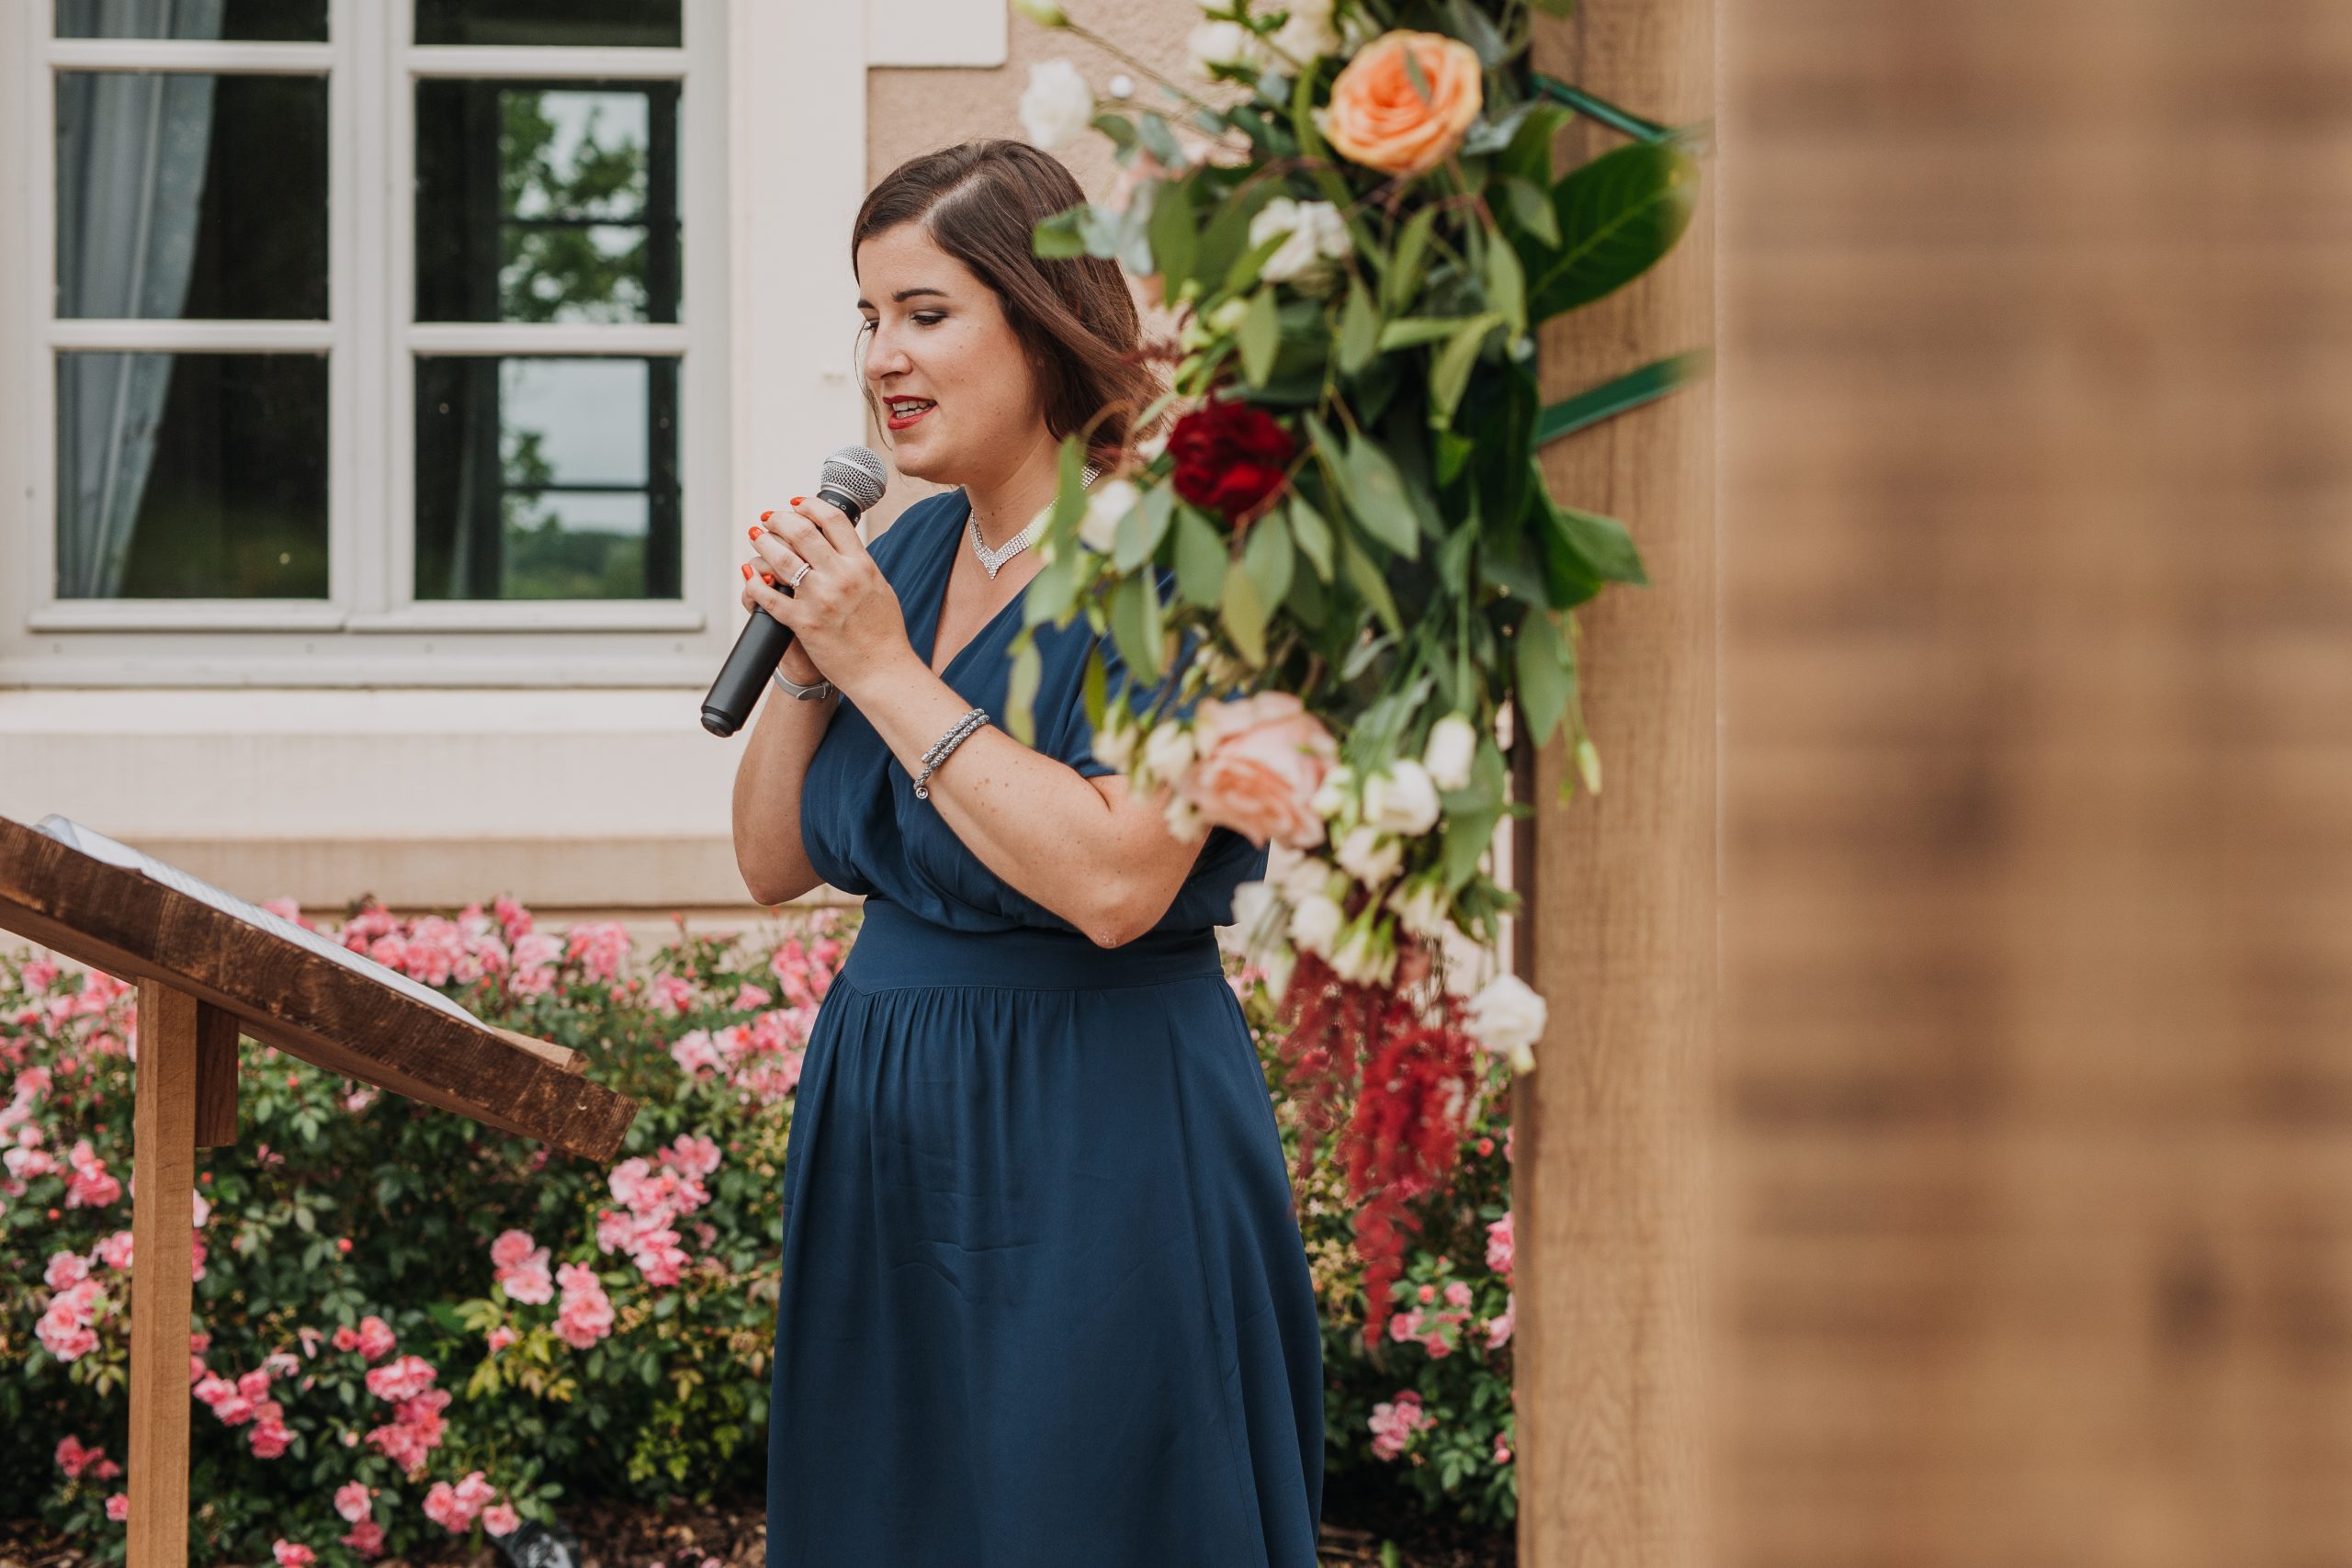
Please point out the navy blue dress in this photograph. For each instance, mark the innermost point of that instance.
(1045, 1300)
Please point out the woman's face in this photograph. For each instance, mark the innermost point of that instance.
(938, 333)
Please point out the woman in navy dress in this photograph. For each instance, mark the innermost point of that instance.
(1044, 1301)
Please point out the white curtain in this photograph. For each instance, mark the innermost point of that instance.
(131, 149)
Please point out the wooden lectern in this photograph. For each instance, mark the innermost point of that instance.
(210, 967)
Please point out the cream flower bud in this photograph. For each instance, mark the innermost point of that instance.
(1421, 905)
(1452, 745)
(1227, 316)
(1168, 749)
(1315, 923)
(1297, 874)
(1115, 739)
(1057, 103)
(1507, 1018)
(1363, 956)
(1223, 43)
(1335, 794)
(1401, 798)
(1106, 505)
(1369, 855)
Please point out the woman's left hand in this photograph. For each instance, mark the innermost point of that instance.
(844, 609)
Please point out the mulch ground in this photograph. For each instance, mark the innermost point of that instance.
(614, 1535)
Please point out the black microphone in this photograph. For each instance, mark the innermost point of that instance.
(853, 481)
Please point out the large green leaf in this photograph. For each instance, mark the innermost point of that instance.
(1545, 671)
(1450, 372)
(1244, 615)
(1312, 535)
(1404, 273)
(1200, 558)
(1618, 215)
(1266, 554)
(1600, 543)
(1360, 328)
(1376, 491)
(1136, 625)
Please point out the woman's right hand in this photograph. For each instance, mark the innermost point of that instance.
(798, 667)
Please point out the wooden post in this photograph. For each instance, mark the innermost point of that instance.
(185, 1098)
(1609, 1181)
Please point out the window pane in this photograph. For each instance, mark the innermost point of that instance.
(294, 21)
(185, 195)
(537, 203)
(191, 476)
(546, 477)
(645, 24)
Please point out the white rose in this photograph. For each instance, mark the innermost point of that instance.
(1257, 918)
(1507, 1018)
(1105, 505)
(1401, 799)
(1183, 817)
(1319, 235)
(1421, 906)
(1297, 874)
(1369, 855)
(1331, 797)
(1278, 965)
(1057, 105)
(1223, 43)
(1315, 922)
(1363, 958)
(1453, 742)
(1115, 740)
(1308, 32)
(1167, 750)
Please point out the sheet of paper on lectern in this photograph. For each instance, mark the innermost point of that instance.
(96, 845)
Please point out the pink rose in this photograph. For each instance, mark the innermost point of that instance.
(499, 1519)
(1260, 762)
(351, 1500)
(367, 1537)
(119, 1507)
(290, 1554)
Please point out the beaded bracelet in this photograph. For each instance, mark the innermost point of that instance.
(973, 718)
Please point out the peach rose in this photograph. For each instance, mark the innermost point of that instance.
(1379, 119)
(1260, 762)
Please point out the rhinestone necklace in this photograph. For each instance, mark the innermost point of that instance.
(993, 560)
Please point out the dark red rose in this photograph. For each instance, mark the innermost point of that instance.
(1230, 458)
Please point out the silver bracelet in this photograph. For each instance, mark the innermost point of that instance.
(972, 719)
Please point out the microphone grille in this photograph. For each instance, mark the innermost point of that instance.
(857, 472)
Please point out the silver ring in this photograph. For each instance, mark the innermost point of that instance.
(798, 575)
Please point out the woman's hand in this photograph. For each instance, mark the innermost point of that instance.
(845, 616)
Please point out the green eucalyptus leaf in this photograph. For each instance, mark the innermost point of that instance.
(1378, 492)
(1161, 142)
(1118, 127)
(1136, 625)
(1404, 274)
(1359, 328)
(1021, 693)
(1450, 373)
(1056, 236)
(1244, 615)
(1410, 331)
(1141, 529)
(1311, 533)
(1543, 680)
(1267, 556)
(1364, 573)
(1530, 206)
(1200, 555)
(1261, 335)
(1507, 286)
(1174, 240)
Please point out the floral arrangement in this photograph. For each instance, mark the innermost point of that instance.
(1372, 590)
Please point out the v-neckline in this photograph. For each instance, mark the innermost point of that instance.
(939, 599)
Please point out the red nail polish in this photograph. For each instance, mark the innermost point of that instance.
(747, 572)
(754, 533)
(765, 516)
(798, 500)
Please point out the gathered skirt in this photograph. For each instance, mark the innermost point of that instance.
(1044, 1301)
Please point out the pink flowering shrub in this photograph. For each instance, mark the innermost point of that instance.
(411, 1333)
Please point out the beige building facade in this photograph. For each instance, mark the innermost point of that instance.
(347, 735)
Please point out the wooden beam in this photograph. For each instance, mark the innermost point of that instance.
(1611, 1148)
(170, 1085)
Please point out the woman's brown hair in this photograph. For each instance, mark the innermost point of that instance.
(979, 201)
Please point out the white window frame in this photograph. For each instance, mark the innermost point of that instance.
(370, 631)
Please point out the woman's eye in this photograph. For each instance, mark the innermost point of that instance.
(930, 318)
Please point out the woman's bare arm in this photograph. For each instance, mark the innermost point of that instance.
(1085, 847)
(768, 781)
